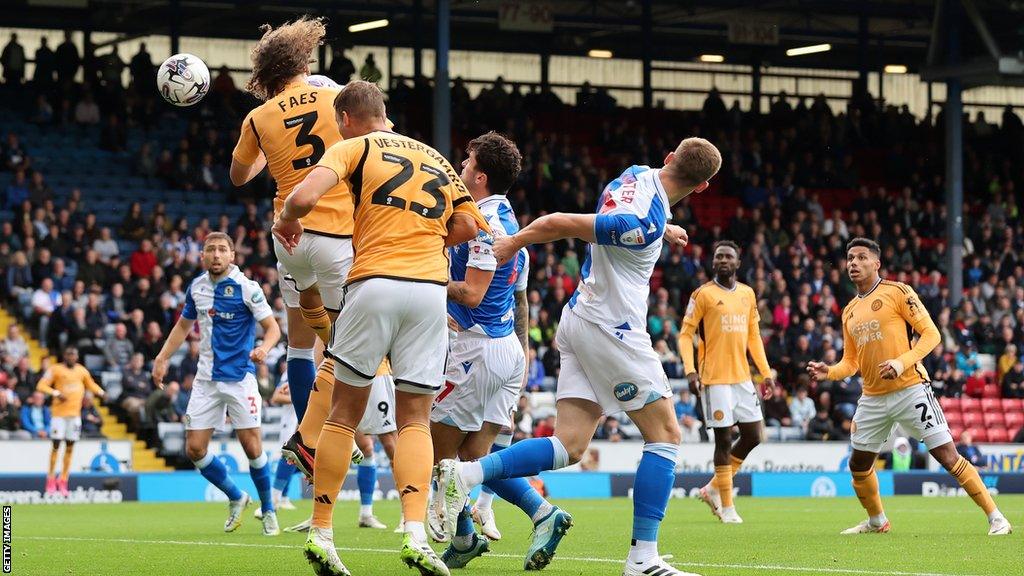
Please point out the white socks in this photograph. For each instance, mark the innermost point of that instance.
(642, 551)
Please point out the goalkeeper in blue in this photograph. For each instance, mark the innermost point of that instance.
(227, 306)
(608, 364)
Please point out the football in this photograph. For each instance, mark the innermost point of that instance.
(183, 79)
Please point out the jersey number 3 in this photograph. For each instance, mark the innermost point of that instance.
(305, 137)
(382, 196)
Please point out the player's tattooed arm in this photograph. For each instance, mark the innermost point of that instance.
(545, 229)
(471, 291)
(523, 322)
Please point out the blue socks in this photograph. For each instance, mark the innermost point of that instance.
(518, 492)
(260, 473)
(464, 527)
(283, 476)
(366, 477)
(527, 458)
(652, 488)
(301, 375)
(214, 470)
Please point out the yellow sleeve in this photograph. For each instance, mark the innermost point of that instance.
(755, 345)
(91, 384)
(911, 309)
(247, 150)
(337, 158)
(692, 318)
(45, 384)
(848, 365)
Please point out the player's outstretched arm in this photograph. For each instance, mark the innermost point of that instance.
(45, 385)
(846, 367)
(694, 313)
(174, 340)
(755, 345)
(914, 313)
(549, 228)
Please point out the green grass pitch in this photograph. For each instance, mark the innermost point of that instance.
(931, 536)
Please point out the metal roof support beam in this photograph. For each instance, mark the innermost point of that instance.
(954, 160)
(442, 92)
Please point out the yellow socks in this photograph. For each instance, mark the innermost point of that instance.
(414, 459)
(69, 450)
(319, 406)
(865, 484)
(735, 463)
(319, 321)
(333, 454)
(967, 475)
(723, 483)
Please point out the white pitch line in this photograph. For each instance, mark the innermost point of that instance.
(767, 567)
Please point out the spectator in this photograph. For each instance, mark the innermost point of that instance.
(119, 350)
(87, 112)
(184, 394)
(45, 300)
(776, 410)
(967, 360)
(1013, 381)
(821, 428)
(142, 70)
(14, 345)
(1006, 361)
(10, 414)
(113, 69)
(92, 420)
(545, 428)
(105, 246)
(370, 72)
(17, 190)
(341, 69)
(136, 387)
(35, 416)
(143, 260)
(611, 431)
(133, 227)
(13, 60)
(801, 409)
(970, 452)
(686, 413)
(46, 65)
(160, 404)
(535, 372)
(68, 60)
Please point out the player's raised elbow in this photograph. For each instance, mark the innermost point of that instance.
(239, 174)
(461, 228)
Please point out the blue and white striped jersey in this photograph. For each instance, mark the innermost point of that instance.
(227, 311)
(616, 275)
(495, 316)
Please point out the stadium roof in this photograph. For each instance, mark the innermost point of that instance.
(896, 32)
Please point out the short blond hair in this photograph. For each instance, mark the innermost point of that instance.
(696, 161)
(361, 100)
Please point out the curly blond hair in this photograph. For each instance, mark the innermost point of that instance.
(283, 53)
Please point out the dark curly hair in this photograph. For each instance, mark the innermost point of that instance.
(498, 158)
(283, 53)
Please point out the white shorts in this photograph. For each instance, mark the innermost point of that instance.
(914, 409)
(321, 260)
(617, 369)
(68, 428)
(403, 319)
(727, 404)
(379, 417)
(210, 400)
(484, 377)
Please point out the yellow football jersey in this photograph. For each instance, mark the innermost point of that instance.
(71, 383)
(726, 324)
(293, 130)
(880, 326)
(404, 193)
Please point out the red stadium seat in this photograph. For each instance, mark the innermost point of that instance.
(991, 391)
(972, 419)
(1000, 435)
(989, 376)
(954, 419)
(949, 404)
(1012, 405)
(979, 434)
(991, 405)
(955, 431)
(970, 405)
(1014, 420)
(994, 420)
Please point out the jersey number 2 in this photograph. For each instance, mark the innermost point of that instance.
(305, 137)
(382, 196)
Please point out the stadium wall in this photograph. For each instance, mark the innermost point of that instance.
(33, 456)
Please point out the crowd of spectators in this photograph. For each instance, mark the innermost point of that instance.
(800, 180)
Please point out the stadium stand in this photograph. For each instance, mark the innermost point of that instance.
(102, 222)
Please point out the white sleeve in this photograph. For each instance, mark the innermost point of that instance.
(481, 252)
(524, 274)
(256, 301)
